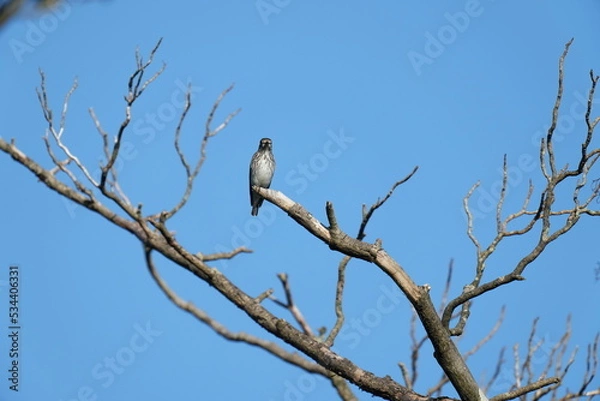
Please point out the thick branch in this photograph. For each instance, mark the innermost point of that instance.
(446, 353)
(221, 330)
(162, 242)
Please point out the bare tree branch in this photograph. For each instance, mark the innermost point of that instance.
(405, 375)
(339, 295)
(437, 388)
(264, 295)
(163, 241)
(525, 381)
(342, 388)
(446, 353)
(526, 389)
(366, 217)
(291, 305)
(415, 350)
(153, 233)
(191, 174)
(135, 88)
(446, 292)
(543, 213)
(202, 316)
(497, 370)
(549, 142)
(222, 255)
(58, 133)
(62, 166)
(366, 214)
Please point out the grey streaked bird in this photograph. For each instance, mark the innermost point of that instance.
(262, 168)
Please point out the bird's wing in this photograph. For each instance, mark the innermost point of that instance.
(252, 194)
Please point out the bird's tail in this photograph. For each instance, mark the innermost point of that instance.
(256, 204)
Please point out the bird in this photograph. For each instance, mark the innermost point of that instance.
(262, 168)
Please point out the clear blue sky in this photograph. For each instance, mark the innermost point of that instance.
(305, 73)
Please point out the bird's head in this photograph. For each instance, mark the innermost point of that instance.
(265, 144)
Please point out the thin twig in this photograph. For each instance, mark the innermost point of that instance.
(135, 88)
(191, 174)
(57, 135)
(339, 295)
(290, 305)
(525, 389)
(366, 215)
(223, 255)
